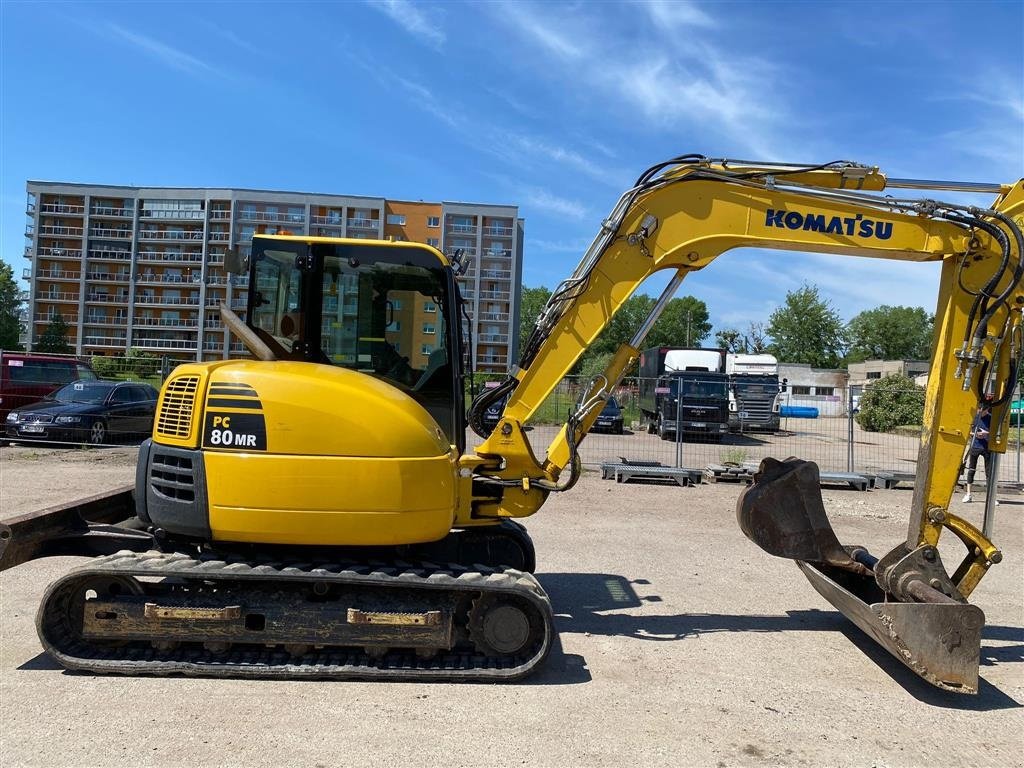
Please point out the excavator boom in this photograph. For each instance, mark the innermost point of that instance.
(682, 215)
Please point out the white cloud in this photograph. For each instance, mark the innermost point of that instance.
(166, 54)
(412, 19)
(674, 15)
(540, 29)
(673, 80)
(551, 203)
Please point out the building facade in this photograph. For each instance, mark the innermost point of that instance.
(143, 268)
(862, 374)
(821, 388)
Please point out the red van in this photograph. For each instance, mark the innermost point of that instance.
(26, 378)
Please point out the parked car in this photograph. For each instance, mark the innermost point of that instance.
(87, 412)
(610, 419)
(492, 415)
(26, 378)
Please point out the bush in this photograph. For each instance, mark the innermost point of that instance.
(895, 401)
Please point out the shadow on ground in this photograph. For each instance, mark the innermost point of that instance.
(579, 600)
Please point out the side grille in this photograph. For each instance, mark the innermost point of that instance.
(179, 400)
(172, 477)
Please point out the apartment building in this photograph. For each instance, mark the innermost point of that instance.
(144, 267)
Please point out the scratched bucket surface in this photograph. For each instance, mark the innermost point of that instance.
(783, 513)
(941, 642)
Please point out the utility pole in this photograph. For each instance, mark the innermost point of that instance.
(687, 327)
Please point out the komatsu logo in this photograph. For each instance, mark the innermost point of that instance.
(855, 226)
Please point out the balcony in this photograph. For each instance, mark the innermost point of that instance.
(495, 317)
(104, 320)
(462, 229)
(191, 258)
(169, 301)
(56, 296)
(220, 215)
(189, 344)
(26, 273)
(45, 317)
(171, 214)
(213, 325)
(274, 217)
(170, 234)
(60, 253)
(110, 234)
(373, 224)
(152, 277)
(105, 341)
(493, 338)
(326, 232)
(24, 296)
(30, 208)
(62, 208)
(113, 213)
(106, 254)
(494, 295)
(496, 254)
(496, 274)
(108, 277)
(105, 298)
(493, 231)
(331, 221)
(492, 360)
(219, 237)
(50, 230)
(166, 322)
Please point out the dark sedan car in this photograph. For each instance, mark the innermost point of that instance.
(87, 412)
(610, 419)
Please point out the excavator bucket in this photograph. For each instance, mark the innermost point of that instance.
(939, 638)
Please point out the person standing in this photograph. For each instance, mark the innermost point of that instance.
(979, 444)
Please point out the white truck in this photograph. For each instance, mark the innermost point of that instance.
(753, 392)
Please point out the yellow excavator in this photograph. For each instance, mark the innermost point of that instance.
(315, 512)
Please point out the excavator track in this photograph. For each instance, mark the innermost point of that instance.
(156, 613)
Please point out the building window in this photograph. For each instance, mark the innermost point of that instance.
(429, 306)
(397, 219)
(873, 375)
(434, 242)
(433, 221)
(824, 390)
(798, 390)
(428, 328)
(426, 349)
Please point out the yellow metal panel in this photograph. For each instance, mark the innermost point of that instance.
(330, 500)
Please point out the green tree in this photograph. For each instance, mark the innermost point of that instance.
(806, 329)
(55, 337)
(755, 340)
(684, 323)
(10, 324)
(890, 333)
(730, 340)
(531, 304)
(895, 401)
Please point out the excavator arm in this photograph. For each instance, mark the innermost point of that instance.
(683, 214)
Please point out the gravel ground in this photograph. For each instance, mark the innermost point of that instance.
(681, 643)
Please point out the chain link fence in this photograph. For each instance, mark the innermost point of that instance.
(827, 430)
(79, 400)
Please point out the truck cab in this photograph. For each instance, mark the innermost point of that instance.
(753, 392)
(684, 392)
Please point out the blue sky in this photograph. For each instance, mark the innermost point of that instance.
(552, 107)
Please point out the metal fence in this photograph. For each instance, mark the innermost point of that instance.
(823, 429)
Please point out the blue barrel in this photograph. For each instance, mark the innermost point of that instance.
(798, 412)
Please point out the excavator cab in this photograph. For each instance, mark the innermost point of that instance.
(389, 312)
